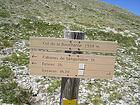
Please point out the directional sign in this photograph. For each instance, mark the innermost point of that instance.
(73, 45)
(71, 65)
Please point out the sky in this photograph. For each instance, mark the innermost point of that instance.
(131, 5)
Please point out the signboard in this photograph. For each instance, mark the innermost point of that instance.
(71, 65)
(47, 61)
(73, 45)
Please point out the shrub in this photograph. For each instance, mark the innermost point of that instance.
(4, 13)
(5, 72)
(18, 58)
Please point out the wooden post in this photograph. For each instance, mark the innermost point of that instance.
(70, 86)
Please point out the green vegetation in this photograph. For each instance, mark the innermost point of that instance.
(18, 58)
(7, 92)
(4, 13)
(96, 100)
(110, 36)
(6, 41)
(117, 74)
(12, 94)
(39, 28)
(20, 20)
(12, 32)
(27, 0)
(115, 96)
(5, 72)
(90, 86)
(139, 83)
(54, 85)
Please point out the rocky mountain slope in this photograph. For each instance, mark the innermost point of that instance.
(20, 19)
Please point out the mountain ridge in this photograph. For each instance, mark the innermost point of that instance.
(88, 13)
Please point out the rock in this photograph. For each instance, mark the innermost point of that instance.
(34, 92)
(137, 41)
(20, 44)
(6, 51)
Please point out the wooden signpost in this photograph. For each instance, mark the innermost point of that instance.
(70, 86)
(47, 58)
(54, 44)
(71, 65)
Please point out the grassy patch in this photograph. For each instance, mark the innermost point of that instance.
(7, 94)
(6, 41)
(12, 94)
(40, 28)
(90, 86)
(118, 74)
(27, 0)
(96, 100)
(54, 85)
(4, 13)
(139, 82)
(5, 72)
(11, 32)
(115, 96)
(18, 58)
(110, 36)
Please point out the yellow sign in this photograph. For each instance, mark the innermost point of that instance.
(69, 102)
